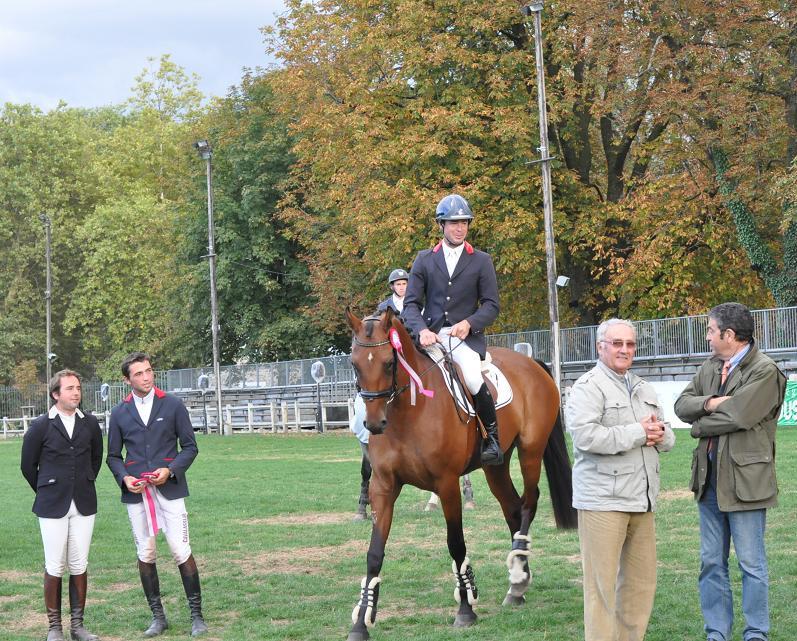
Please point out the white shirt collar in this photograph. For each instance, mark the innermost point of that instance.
(54, 412)
(453, 252)
(142, 400)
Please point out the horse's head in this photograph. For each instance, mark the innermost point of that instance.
(375, 366)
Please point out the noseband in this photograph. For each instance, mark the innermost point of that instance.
(391, 392)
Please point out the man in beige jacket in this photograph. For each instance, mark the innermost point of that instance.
(615, 420)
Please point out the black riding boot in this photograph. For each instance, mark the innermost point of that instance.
(190, 576)
(78, 585)
(52, 601)
(152, 590)
(485, 408)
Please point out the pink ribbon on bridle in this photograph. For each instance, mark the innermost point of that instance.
(415, 380)
(150, 503)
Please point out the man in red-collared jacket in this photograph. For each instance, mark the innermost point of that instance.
(149, 424)
(452, 296)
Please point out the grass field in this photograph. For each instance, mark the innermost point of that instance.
(281, 559)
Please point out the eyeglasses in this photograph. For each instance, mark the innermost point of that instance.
(617, 343)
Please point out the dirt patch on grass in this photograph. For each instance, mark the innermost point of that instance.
(306, 560)
(121, 587)
(266, 457)
(413, 610)
(674, 495)
(30, 621)
(4, 600)
(308, 518)
(15, 575)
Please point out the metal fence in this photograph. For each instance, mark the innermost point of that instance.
(261, 375)
(684, 336)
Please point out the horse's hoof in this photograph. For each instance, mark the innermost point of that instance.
(511, 599)
(464, 620)
(359, 516)
(357, 636)
(469, 505)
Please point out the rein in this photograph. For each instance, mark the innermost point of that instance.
(394, 391)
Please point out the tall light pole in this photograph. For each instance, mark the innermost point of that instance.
(49, 356)
(534, 9)
(204, 150)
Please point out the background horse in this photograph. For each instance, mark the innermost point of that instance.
(426, 445)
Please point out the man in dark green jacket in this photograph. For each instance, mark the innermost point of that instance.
(733, 404)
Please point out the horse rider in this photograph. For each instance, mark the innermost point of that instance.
(452, 296)
(61, 457)
(397, 281)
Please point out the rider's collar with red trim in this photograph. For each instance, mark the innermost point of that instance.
(158, 392)
(468, 247)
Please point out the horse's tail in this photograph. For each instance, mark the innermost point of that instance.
(559, 473)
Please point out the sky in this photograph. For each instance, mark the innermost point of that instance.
(88, 52)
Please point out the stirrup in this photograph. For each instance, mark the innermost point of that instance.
(491, 455)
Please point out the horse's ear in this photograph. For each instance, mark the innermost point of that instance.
(387, 319)
(352, 321)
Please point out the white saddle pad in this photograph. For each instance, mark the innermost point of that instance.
(502, 387)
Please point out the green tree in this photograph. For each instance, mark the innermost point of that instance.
(46, 167)
(130, 296)
(128, 299)
(262, 282)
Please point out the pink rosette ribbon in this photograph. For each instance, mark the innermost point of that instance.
(151, 507)
(415, 380)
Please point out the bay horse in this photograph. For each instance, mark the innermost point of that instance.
(421, 441)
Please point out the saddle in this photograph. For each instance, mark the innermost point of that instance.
(497, 383)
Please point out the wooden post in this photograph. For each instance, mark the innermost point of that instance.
(249, 412)
(272, 406)
(284, 416)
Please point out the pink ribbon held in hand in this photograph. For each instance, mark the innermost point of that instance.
(151, 508)
(415, 380)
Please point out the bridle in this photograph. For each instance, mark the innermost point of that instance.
(392, 392)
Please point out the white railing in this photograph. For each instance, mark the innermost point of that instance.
(15, 426)
(274, 416)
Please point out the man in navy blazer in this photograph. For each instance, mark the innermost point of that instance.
(452, 297)
(149, 424)
(61, 457)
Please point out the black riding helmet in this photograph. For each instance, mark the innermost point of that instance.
(397, 274)
(453, 207)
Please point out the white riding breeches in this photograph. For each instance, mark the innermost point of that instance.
(66, 542)
(174, 523)
(469, 361)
